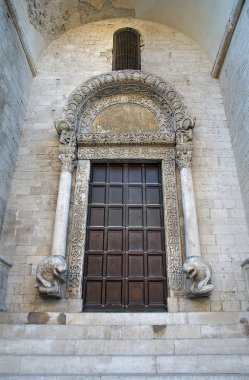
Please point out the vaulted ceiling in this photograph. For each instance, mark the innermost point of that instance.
(202, 20)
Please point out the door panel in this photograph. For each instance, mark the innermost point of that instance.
(125, 268)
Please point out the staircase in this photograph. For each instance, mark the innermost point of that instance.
(134, 346)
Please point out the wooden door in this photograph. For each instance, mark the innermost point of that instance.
(125, 268)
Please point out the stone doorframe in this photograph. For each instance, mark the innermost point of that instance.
(166, 156)
(171, 145)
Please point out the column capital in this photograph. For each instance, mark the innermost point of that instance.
(68, 161)
(184, 154)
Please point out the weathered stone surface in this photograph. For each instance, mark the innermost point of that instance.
(54, 19)
(4, 271)
(97, 345)
(16, 79)
(75, 58)
(245, 266)
(234, 81)
(202, 364)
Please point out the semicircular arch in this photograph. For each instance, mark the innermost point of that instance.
(165, 97)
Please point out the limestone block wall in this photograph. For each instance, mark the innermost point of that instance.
(16, 80)
(67, 62)
(234, 81)
(4, 270)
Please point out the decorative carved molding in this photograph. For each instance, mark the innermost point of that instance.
(126, 153)
(172, 228)
(68, 162)
(50, 274)
(77, 240)
(200, 273)
(145, 138)
(125, 82)
(78, 232)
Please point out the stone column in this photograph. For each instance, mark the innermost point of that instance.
(52, 270)
(196, 269)
(192, 242)
(63, 203)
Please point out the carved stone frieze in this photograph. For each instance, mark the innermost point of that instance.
(126, 153)
(78, 232)
(145, 138)
(68, 161)
(77, 240)
(172, 228)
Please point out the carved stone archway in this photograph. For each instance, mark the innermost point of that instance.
(171, 144)
(164, 97)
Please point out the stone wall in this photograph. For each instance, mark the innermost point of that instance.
(16, 80)
(4, 271)
(234, 81)
(72, 59)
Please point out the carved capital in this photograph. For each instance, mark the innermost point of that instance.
(68, 162)
(199, 273)
(184, 154)
(51, 272)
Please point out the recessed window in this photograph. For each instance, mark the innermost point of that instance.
(126, 50)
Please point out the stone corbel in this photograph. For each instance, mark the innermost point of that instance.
(52, 270)
(195, 268)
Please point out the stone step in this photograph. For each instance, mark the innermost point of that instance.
(125, 347)
(120, 332)
(114, 365)
(120, 346)
(199, 318)
(129, 377)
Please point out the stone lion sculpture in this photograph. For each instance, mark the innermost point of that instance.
(50, 273)
(200, 272)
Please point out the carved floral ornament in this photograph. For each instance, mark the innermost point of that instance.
(150, 91)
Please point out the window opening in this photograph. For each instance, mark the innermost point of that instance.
(126, 50)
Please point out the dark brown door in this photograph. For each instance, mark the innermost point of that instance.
(125, 267)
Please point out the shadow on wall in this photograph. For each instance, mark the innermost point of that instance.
(54, 18)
